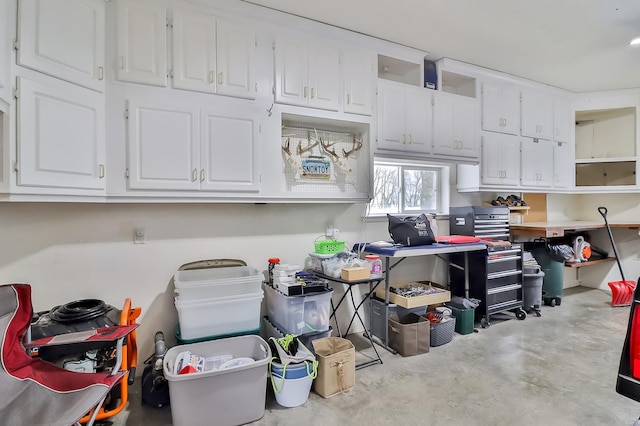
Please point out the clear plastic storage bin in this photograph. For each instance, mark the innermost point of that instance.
(220, 315)
(299, 314)
(197, 284)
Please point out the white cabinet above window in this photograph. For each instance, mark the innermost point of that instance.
(405, 117)
(307, 73)
(212, 55)
(7, 25)
(63, 38)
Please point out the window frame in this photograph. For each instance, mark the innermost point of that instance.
(443, 197)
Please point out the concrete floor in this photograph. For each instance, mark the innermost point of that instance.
(557, 369)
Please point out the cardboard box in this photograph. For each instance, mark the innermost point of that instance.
(355, 274)
(436, 295)
(409, 334)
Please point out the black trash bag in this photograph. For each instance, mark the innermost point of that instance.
(560, 252)
(411, 230)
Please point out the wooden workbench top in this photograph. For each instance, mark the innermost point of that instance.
(559, 228)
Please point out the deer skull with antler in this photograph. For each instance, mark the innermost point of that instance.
(341, 163)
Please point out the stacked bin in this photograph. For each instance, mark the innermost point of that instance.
(306, 316)
(218, 302)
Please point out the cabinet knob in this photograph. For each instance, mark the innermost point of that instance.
(194, 175)
(220, 77)
(312, 92)
(410, 140)
(305, 92)
(101, 175)
(404, 138)
(100, 73)
(348, 99)
(202, 175)
(211, 77)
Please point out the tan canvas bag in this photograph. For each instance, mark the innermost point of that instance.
(336, 366)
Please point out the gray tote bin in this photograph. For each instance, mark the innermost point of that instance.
(222, 397)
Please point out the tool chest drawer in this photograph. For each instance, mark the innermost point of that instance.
(503, 261)
(501, 279)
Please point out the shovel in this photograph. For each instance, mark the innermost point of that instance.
(621, 291)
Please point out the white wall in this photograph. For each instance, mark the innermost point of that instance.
(75, 251)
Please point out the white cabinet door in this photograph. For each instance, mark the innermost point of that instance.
(7, 20)
(537, 164)
(292, 84)
(164, 146)
(500, 164)
(142, 42)
(194, 51)
(562, 120)
(563, 165)
(391, 116)
(358, 82)
(229, 150)
(454, 125)
(537, 115)
(61, 135)
(307, 74)
(324, 75)
(64, 38)
(236, 45)
(419, 119)
(500, 108)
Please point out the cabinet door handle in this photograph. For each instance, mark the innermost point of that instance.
(101, 175)
(202, 175)
(100, 73)
(194, 175)
(312, 92)
(348, 99)
(220, 77)
(211, 77)
(122, 62)
(305, 92)
(404, 138)
(410, 140)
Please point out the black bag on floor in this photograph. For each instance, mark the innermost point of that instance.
(411, 230)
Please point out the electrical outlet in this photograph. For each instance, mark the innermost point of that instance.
(138, 236)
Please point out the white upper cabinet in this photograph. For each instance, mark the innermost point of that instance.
(213, 55)
(455, 121)
(307, 73)
(61, 135)
(500, 163)
(6, 26)
(537, 115)
(563, 165)
(142, 42)
(236, 46)
(63, 38)
(178, 146)
(229, 150)
(537, 164)
(500, 108)
(358, 82)
(164, 146)
(405, 117)
(562, 119)
(194, 51)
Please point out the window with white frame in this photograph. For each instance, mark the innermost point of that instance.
(402, 187)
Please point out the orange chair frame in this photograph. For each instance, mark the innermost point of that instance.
(128, 316)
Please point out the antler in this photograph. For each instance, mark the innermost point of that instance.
(357, 146)
(300, 150)
(286, 146)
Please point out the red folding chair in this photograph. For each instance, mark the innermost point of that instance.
(36, 392)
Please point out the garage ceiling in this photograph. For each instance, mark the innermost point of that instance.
(578, 45)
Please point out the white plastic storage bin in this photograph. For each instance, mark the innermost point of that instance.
(219, 316)
(299, 314)
(232, 396)
(196, 284)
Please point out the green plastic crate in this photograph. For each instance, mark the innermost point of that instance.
(329, 246)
